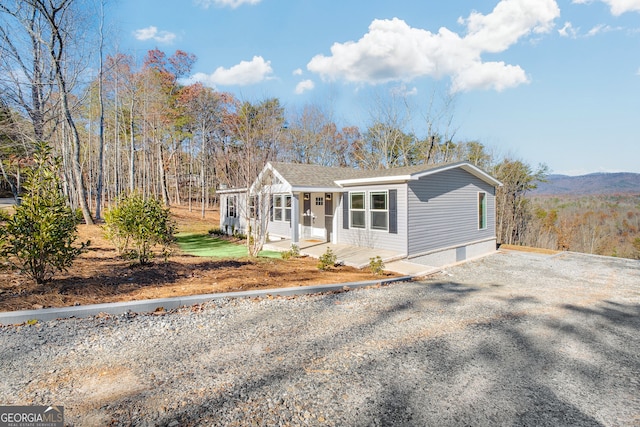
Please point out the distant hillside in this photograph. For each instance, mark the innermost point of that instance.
(595, 183)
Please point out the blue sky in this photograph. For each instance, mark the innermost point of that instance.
(545, 81)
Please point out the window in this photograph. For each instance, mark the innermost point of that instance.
(287, 208)
(253, 207)
(281, 208)
(357, 210)
(319, 201)
(379, 210)
(232, 202)
(277, 208)
(482, 210)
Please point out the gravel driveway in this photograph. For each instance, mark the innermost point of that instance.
(511, 339)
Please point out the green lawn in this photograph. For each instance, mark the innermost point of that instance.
(207, 246)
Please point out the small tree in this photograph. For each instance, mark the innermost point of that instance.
(38, 239)
(143, 222)
(327, 260)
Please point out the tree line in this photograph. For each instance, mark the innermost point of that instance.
(124, 126)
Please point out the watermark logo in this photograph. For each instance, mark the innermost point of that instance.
(31, 416)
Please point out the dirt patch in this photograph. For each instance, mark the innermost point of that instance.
(100, 275)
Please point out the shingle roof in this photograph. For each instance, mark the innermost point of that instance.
(315, 175)
(323, 176)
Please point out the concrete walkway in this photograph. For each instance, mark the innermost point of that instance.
(356, 256)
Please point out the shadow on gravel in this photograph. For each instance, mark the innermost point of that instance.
(480, 369)
(611, 311)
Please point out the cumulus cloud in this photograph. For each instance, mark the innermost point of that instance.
(394, 51)
(245, 73)
(617, 7)
(226, 3)
(297, 72)
(304, 86)
(152, 33)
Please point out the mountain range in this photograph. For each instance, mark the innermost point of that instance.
(591, 184)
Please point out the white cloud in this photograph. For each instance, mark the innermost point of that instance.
(402, 90)
(226, 3)
(297, 72)
(568, 31)
(245, 73)
(152, 33)
(394, 51)
(304, 86)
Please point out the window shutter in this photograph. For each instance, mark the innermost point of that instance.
(345, 211)
(393, 211)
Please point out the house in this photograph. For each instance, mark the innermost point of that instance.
(430, 214)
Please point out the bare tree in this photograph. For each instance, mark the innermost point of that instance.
(53, 28)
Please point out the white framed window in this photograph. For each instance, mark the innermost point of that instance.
(287, 208)
(281, 210)
(357, 210)
(232, 206)
(277, 207)
(254, 210)
(482, 210)
(379, 209)
(319, 201)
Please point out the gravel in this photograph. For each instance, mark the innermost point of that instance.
(511, 339)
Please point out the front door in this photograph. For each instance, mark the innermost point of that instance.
(328, 215)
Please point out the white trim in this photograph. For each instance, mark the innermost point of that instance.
(473, 170)
(307, 189)
(371, 210)
(231, 190)
(364, 210)
(484, 211)
(398, 179)
(468, 167)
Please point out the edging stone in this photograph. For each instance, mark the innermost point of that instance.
(145, 306)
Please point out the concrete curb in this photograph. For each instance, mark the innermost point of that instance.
(145, 306)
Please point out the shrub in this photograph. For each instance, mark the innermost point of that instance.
(38, 239)
(144, 223)
(376, 265)
(217, 231)
(327, 260)
(294, 252)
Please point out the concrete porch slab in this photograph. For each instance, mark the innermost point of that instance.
(356, 256)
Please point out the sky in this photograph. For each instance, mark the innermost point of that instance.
(543, 81)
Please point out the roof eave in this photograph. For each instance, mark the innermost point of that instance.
(468, 167)
(398, 179)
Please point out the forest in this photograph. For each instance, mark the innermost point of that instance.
(124, 126)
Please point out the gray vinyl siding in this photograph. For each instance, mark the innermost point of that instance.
(443, 211)
(376, 239)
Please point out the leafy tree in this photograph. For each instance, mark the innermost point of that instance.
(143, 222)
(38, 239)
(513, 210)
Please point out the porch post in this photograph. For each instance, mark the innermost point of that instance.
(295, 219)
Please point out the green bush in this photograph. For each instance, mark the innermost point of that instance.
(294, 252)
(142, 223)
(38, 239)
(217, 231)
(327, 260)
(376, 265)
